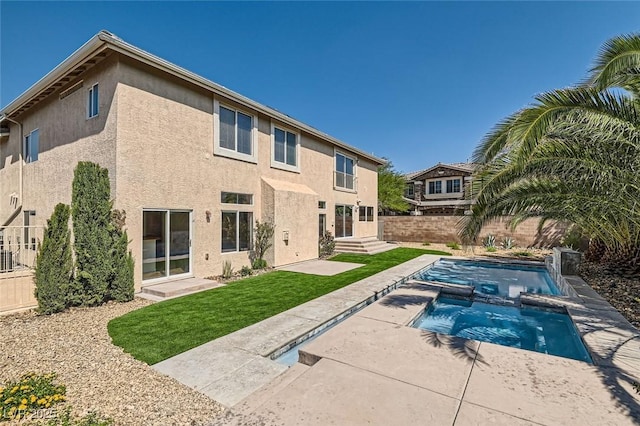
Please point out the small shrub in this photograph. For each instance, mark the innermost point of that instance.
(263, 239)
(327, 244)
(227, 270)
(32, 392)
(491, 249)
(453, 246)
(489, 241)
(523, 253)
(259, 264)
(246, 271)
(508, 243)
(574, 239)
(426, 244)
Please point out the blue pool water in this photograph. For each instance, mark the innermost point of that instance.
(527, 328)
(492, 279)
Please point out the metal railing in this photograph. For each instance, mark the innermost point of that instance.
(18, 247)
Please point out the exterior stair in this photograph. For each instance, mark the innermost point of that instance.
(366, 245)
(177, 288)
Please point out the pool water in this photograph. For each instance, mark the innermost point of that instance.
(525, 328)
(492, 279)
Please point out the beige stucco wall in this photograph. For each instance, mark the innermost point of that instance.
(155, 134)
(66, 137)
(16, 291)
(165, 160)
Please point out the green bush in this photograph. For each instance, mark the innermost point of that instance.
(227, 270)
(522, 253)
(32, 392)
(54, 263)
(453, 246)
(121, 286)
(259, 264)
(246, 271)
(489, 241)
(91, 211)
(508, 243)
(326, 244)
(426, 244)
(263, 240)
(491, 249)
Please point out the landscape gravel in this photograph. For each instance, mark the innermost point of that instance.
(99, 376)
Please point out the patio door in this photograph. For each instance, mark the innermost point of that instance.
(166, 243)
(344, 221)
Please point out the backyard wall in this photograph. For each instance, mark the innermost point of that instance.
(16, 291)
(443, 229)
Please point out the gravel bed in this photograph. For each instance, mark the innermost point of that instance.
(99, 376)
(622, 293)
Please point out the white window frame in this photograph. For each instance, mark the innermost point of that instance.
(27, 152)
(337, 152)
(237, 214)
(90, 104)
(428, 191)
(453, 186)
(280, 165)
(229, 153)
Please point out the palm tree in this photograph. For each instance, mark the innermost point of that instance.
(573, 155)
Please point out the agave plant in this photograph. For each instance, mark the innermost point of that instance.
(573, 155)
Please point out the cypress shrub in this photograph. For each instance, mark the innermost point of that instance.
(93, 242)
(54, 263)
(121, 287)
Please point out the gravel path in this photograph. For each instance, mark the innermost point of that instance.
(99, 376)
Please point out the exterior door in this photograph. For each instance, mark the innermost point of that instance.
(344, 221)
(166, 243)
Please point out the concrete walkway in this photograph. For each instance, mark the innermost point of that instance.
(232, 367)
(373, 369)
(320, 267)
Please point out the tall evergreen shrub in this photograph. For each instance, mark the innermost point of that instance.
(121, 287)
(93, 241)
(54, 263)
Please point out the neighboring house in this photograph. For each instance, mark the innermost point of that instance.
(193, 164)
(439, 189)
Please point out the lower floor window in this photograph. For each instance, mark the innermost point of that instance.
(236, 231)
(366, 214)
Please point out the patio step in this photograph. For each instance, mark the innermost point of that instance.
(366, 245)
(170, 289)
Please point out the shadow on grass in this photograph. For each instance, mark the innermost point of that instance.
(461, 348)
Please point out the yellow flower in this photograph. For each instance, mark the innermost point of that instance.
(42, 401)
(24, 401)
(14, 390)
(8, 400)
(25, 387)
(33, 398)
(48, 405)
(1, 390)
(22, 407)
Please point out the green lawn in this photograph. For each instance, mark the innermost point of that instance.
(162, 330)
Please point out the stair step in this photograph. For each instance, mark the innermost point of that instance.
(176, 288)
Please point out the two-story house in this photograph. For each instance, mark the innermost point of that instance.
(192, 163)
(439, 189)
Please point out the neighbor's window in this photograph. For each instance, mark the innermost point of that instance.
(236, 231)
(92, 102)
(31, 146)
(408, 190)
(235, 136)
(236, 198)
(365, 213)
(435, 187)
(285, 148)
(453, 185)
(344, 174)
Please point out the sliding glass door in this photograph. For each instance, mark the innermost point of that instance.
(344, 221)
(166, 243)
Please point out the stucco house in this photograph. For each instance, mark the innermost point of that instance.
(193, 164)
(440, 189)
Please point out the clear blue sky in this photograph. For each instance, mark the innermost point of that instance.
(418, 83)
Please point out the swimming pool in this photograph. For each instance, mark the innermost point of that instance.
(526, 328)
(492, 279)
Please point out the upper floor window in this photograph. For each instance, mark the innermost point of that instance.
(31, 146)
(408, 190)
(236, 133)
(453, 185)
(93, 102)
(284, 148)
(344, 175)
(435, 187)
(236, 198)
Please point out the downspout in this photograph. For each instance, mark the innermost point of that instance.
(21, 162)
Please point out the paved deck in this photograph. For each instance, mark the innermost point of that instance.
(232, 367)
(373, 369)
(320, 267)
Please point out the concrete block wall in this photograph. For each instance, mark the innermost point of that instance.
(444, 229)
